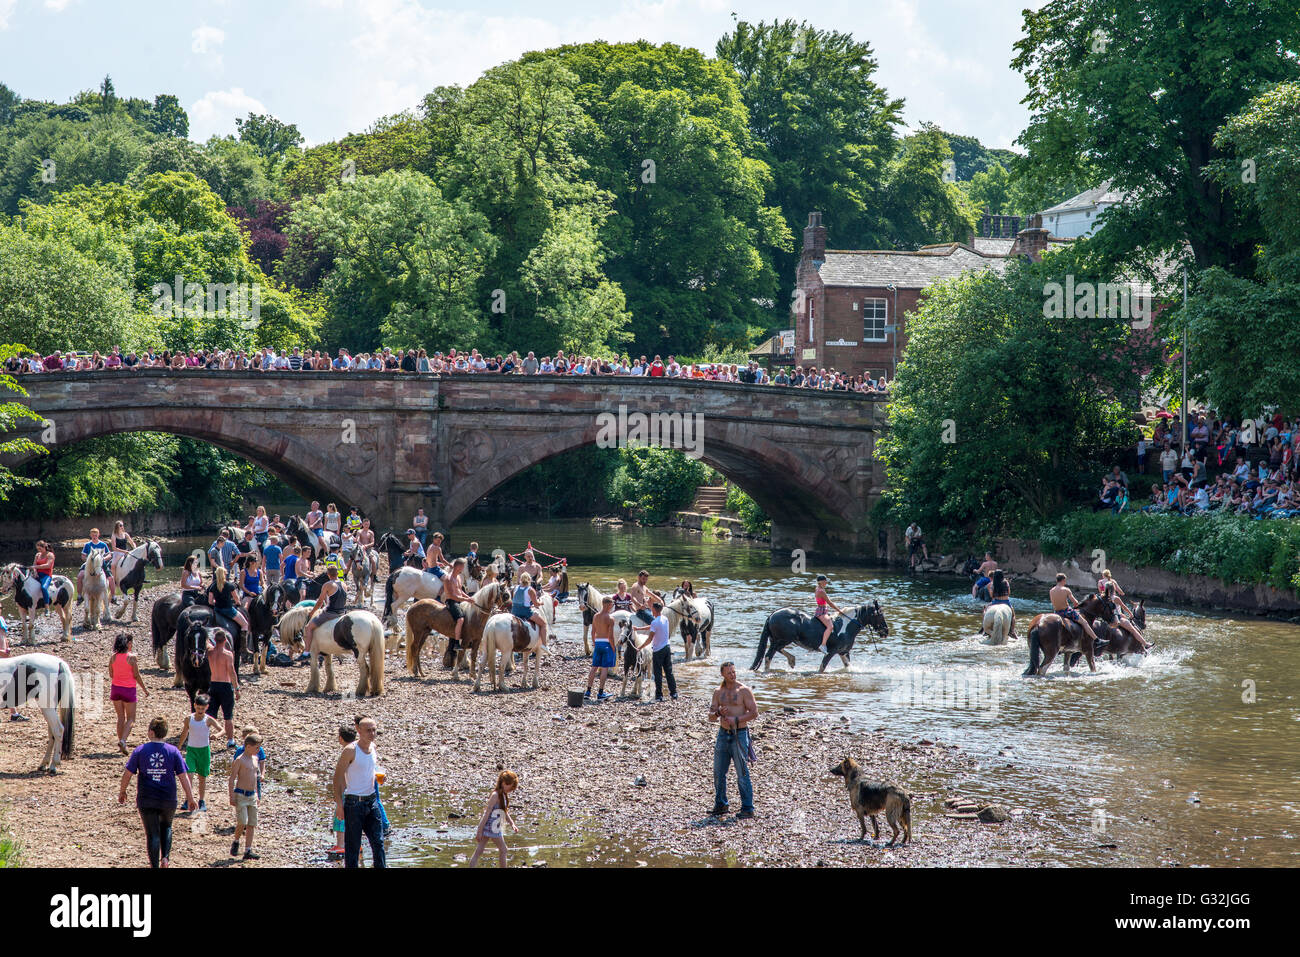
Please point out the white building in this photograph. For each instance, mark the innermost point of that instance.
(1077, 216)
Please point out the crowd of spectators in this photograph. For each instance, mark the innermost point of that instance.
(417, 361)
(1251, 468)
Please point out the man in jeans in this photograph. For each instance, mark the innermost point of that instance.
(733, 708)
(661, 649)
(355, 790)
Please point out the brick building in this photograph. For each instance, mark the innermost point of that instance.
(851, 304)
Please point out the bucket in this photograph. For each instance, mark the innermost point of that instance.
(575, 698)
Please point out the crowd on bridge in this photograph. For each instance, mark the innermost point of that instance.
(453, 362)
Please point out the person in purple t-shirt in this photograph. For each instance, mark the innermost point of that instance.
(159, 764)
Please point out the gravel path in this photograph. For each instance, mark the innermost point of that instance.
(614, 783)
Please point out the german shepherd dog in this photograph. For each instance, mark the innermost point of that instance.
(872, 797)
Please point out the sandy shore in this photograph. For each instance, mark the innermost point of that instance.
(617, 782)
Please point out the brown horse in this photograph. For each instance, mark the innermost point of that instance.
(429, 615)
(1050, 634)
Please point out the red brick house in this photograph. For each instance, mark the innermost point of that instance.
(850, 304)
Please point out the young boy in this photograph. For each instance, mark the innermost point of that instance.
(245, 773)
(198, 754)
(346, 736)
(262, 759)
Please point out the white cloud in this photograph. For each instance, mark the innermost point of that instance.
(215, 113)
(58, 6)
(6, 11)
(205, 39)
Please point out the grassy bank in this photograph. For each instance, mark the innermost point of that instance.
(1237, 549)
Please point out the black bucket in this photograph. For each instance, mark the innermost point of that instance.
(575, 698)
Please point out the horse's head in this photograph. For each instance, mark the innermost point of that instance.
(153, 553)
(1140, 614)
(873, 617)
(14, 574)
(94, 562)
(584, 589)
(196, 644)
(683, 606)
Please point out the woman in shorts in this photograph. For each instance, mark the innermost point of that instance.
(124, 671)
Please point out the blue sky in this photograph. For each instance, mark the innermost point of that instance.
(334, 66)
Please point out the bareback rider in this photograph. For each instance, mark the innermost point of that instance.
(522, 602)
(94, 545)
(453, 592)
(1002, 596)
(642, 597)
(414, 554)
(1063, 604)
(316, 522)
(1109, 589)
(530, 566)
(334, 597)
(435, 561)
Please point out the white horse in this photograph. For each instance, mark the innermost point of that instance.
(356, 631)
(28, 597)
(507, 634)
(365, 566)
(640, 659)
(697, 629)
(590, 601)
(997, 623)
(94, 589)
(408, 584)
(46, 681)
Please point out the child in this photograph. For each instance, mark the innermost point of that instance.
(245, 775)
(261, 759)
(198, 755)
(489, 825)
(472, 554)
(821, 614)
(346, 736)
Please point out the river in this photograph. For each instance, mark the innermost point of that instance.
(1188, 757)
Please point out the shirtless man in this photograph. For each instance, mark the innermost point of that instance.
(987, 568)
(434, 561)
(1063, 604)
(602, 656)
(316, 522)
(224, 687)
(530, 566)
(733, 707)
(642, 597)
(452, 592)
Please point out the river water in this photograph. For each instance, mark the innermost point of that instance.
(1187, 757)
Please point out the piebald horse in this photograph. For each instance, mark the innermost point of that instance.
(427, 616)
(506, 634)
(28, 597)
(697, 631)
(46, 681)
(297, 529)
(636, 661)
(94, 590)
(410, 584)
(356, 631)
(997, 623)
(129, 571)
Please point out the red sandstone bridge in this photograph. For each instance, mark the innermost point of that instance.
(389, 443)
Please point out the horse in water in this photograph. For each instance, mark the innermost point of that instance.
(1050, 634)
(697, 630)
(789, 627)
(356, 631)
(130, 569)
(46, 681)
(94, 589)
(997, 623)
(28, 597)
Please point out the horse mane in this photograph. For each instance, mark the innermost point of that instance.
(594, 597)
(480, 597)
(294, 620)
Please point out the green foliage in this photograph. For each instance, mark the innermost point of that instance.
(14, 415)
(1238, 549)
(751, 515)
(919, 207)
(998, 411)
(267, 135)
(650, 483)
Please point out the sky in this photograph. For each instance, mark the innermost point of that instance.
(334, 66)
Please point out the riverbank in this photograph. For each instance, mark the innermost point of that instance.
(442, 745)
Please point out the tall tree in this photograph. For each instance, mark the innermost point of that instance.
(269, 136)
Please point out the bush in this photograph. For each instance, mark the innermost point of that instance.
(750, 513)
(651, 482)
(1237, 549)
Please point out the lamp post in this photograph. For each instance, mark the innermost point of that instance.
(893, 371)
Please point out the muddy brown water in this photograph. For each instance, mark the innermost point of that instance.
(1188, 756)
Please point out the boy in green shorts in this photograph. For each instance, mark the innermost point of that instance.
(198, 755)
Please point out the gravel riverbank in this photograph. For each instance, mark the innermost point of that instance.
(619, 782)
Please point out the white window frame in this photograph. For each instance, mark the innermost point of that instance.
(871, 314)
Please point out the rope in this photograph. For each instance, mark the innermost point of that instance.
(561, 562)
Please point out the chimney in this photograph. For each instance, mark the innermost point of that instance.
(814, 239)
(1031, 241)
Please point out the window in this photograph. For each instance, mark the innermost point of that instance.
(875, 315)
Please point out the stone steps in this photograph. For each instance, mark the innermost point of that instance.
(710, 500)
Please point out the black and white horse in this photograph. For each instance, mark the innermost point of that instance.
(46, 681)
(28, 597)
(303, 589)
(789, 627)
(263, 611)
(395, 549)
(636, 661)
(697, 632)
(129, 571)
(203, 616)
(297, 529)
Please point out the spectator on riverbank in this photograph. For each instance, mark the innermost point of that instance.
(733, 707)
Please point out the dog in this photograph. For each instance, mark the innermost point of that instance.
(872, 797)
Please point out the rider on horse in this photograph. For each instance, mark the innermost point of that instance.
(435, 563)
(334, 597)
(821, 613)
(1109, 589)
(1002, 596)
(95, 545)
(1063, 604)
(453, 592)
(522, 602)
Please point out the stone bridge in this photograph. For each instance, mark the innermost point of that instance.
(389, 443)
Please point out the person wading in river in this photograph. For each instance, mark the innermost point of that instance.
(733, 707)
(1002, 596)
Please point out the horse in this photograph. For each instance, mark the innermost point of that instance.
(394, 547)
(304, 589)
(262, 612)
(406, 584)
(193, 670)
(636, 661)
(507, 634)
(199, 615)
(162, 625)
(997, 623)
(427, 616)
(697, 632)
(786, 627)
(590, 600)
(28, 596)
(131, 573)
(356, 630)
(47, 681)
(297, 529)
(1050, 633)
(94, 589)
(1116, 642)
(364, 568)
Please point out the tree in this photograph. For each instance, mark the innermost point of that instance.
(998, 411)
(1134, 93)
(270, 137)
(9, 101)
(107, 97)
(14, 415)
(991, 189)
(918, 205)
(168, 117)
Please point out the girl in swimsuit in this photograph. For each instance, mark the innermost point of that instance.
(121, 544)
(822, 614)
(1109, 588)
(497, 808)
(191, 582)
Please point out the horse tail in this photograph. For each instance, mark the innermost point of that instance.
(377, 659)
(1035, 648)
(762, 644)
(388, 594)
(67, 699)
